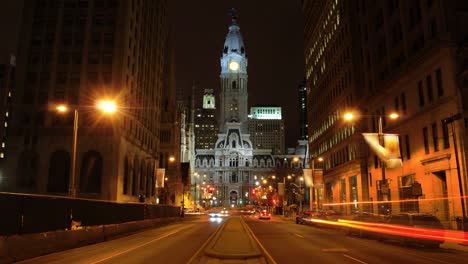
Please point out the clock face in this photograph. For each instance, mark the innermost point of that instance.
(233, 65)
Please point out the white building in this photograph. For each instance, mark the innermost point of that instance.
(233, 167)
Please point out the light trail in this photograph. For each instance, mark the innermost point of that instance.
(396, 201)
(399, 230)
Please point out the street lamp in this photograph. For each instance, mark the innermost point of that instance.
(384, 186)
(450, 120)
(105, 106)
(313, 190)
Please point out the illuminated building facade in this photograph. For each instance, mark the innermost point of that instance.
(376, 57)
(266, 128)
(206, 125)
(234, 166)
(302, 108)
(76, 52)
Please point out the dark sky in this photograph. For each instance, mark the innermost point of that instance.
(273, 37)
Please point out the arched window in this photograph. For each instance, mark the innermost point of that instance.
(136, 166)
(233, 144)
(142, 178)
(91, 172)
(59, 172)
(233, 177)
(149, 179)
(126, 176)
(27, 168)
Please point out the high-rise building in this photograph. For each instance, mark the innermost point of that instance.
(377, 57)
(206, 126)
(302, 107)
(266, 128)
(77, 52)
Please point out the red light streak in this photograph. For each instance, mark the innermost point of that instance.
(399, 230)
(396, 201)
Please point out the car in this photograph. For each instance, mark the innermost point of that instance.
(367, 220)
(264, 215)
(303, 218)
(306, 218)
(425, 229)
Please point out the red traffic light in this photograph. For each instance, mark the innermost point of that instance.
(210, 189)
(274, 201)
(254, 192)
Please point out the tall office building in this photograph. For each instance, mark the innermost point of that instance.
(266, 128)
(77, 52)
(302, 108)
(206, 126)
(376, 57)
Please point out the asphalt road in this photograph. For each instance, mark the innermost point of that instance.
(284, 240)
(288, 242)
(175, 243)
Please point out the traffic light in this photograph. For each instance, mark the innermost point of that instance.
(254, 192)
(210, 189)
(274, 201)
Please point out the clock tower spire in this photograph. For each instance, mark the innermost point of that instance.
(233, 96)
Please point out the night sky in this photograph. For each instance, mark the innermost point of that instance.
(273, 37)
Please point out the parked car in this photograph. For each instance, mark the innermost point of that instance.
(362, 232)
(414, 220)
(264, 215)
(306, 218)
(303, 218)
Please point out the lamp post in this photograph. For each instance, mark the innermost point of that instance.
(450, 121)
(312, 189)
(384, 186)
(105, 106)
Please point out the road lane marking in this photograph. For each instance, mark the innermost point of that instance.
(141, 245)
(355, 259)
(334, 250)
(265, 252)
(298, 235)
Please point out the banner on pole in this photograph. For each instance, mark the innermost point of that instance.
(280, 188)
(160, 173)
(309, 182)
(390, 154)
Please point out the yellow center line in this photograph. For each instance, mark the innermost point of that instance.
(139, 246)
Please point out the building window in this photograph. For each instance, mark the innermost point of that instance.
(421, 93)
(445, 135)
(343, 194)
(440, 89)
(405, 189)
(426, 140)
(408, 149)
(397, 104)
(430, 94)
(435, 137)
(353, 193)
(403, 102)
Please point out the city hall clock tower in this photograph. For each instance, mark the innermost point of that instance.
(233, 96)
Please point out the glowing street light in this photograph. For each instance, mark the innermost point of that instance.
(103, 105)
(107, 106)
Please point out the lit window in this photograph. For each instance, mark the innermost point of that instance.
(2, 155)
(6, 124)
